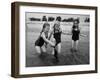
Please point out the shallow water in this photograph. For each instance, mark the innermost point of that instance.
(82, 57)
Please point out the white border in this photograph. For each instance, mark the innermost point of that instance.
(52, 69)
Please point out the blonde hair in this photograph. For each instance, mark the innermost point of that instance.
(44, 26)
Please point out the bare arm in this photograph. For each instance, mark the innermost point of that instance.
(46, 40)
(51, 33)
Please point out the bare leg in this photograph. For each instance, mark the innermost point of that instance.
(38, 49)
(57, 51)
(59, 48)
(76, 45)
(53, 51)
(43, 49)
(73, 43)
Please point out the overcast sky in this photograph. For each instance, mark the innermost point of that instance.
(64, 16)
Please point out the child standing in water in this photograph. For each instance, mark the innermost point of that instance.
(43, 39)
(56, 32)
(75, 35)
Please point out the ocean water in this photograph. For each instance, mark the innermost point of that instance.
(33, 32)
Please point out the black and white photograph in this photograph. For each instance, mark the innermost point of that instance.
(57, 39)
(51, 39)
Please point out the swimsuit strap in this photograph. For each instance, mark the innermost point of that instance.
(57, 30)
(54, 29)
(40, 34)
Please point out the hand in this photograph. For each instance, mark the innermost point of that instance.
(53, 40)
(52, 45)
(45, 45)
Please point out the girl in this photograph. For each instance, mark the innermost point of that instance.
(43, 39)
(75, 35)
(56, 32)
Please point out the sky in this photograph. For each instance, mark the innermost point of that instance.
(64, 16)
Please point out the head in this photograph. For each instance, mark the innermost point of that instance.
(46, 27)
(57, 22)
(76, 23)
(56, 25)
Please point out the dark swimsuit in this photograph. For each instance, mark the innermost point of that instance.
(75, 34)
(57, 36)
(40, 41)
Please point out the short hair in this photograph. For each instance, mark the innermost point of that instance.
(76, 20)
(44, 26)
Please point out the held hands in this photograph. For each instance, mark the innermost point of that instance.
(46, 45)
(53, 42)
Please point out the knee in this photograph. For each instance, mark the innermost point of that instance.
(59, 51)
(44, 51)
(38, 52)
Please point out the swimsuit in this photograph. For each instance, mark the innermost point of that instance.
(75, 34)
(57, 36)
(40, 41)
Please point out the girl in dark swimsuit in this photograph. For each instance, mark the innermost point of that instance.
(56, 32)
(57, 37)
(75, 35)
(43, 39)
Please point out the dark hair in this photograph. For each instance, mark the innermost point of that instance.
(56, 24)
(58, 18)
(75, 27)
(44, 26)
(76, 20)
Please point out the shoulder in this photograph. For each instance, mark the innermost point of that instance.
(42, 34)
(52, 30)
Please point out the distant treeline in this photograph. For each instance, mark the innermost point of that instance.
(44, 18)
